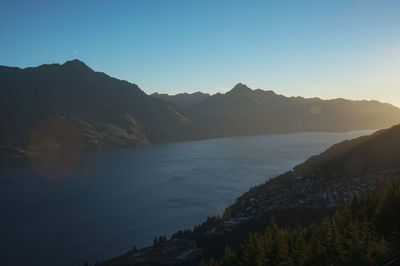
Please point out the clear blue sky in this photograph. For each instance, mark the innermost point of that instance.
(328, 49)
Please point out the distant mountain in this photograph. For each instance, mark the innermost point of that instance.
(244, 111)
(183, 100)
(53, 109)
(51, 106)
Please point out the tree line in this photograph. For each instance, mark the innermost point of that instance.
(364, 232)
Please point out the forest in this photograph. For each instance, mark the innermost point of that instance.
(364, 232)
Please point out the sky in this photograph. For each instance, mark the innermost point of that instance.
(326, 49)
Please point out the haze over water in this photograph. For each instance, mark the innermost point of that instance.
(120, 198)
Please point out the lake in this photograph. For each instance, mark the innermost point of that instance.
(122, 198)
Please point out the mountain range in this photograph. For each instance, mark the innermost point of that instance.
(71, 107)
(243, 111)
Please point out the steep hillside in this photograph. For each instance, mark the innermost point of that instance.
(330, 178)
(104, 112)
(377, 152)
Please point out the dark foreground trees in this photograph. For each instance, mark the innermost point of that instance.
(364, 232)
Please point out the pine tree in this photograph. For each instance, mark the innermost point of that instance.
(298, 246)
(230, 258)
(252, 251)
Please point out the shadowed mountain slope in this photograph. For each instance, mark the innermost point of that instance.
(106, 112)
(243, 111)
(376, 152)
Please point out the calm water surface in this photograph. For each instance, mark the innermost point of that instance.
(120, 198)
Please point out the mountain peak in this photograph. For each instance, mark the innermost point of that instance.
(76, 64)
(240, 88)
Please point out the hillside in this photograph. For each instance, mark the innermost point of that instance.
(377, 152)
(363, 233)
(243, 111)
(39, 103)
(330, 178)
